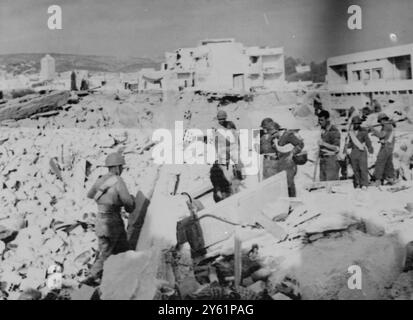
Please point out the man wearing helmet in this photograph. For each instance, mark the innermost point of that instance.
(111, 194)
(384, 169)
(360, 144)
(225, 178)
(278, 149)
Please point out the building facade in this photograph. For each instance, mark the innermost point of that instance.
(224, 65)
(383, 75)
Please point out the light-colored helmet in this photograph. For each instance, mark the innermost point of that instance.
(114, 159)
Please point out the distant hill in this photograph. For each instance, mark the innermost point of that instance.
(28, 63)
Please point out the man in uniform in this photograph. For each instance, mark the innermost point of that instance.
(278, 149)
(384, 169)
(329, 146)
(225, 178)
(360, 144)
(111, 194)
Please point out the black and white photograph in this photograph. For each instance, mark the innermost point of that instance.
(237, 150)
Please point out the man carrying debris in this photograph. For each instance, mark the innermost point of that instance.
(111, 194)
(384, 169)
(360, 144)
(278, 149)
(329, 146)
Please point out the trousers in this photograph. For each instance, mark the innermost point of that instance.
(272, 167)
(111, 240)
(329, 168)
(384, 168)
(360, 168)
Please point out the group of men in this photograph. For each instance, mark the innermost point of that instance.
(360, 145)
(280, 149)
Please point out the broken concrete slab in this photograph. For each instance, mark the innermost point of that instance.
(129, 276)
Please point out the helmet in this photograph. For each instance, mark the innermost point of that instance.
(266, 122)
(356, 119)
(114, 159)
(221, 115)
(269, 121)
(382, 116)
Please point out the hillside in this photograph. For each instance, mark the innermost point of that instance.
(27, 63)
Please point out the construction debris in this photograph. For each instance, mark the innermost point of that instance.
(29, 105)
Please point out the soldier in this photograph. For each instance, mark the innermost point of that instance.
(222, 173)
(111, 194)
(384, 169)
(329, 146)
(360, 144)
(222, 120)
(278, 149)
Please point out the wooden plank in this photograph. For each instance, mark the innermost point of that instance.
(327, 184)
(136, 219)
(237, 259)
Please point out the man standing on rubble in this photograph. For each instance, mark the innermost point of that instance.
(278, 149)
(360, 144)
(329, 146)
(224, 177)
(384, 169)
(111, 194)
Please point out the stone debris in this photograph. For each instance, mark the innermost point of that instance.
(47, 165)
(302, 250)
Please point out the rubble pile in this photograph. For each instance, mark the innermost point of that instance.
(47, 165)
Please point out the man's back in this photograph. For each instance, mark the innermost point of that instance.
(115, 193)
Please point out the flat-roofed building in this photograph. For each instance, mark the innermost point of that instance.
(383, 75)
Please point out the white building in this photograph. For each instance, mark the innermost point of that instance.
(47, 68)
(224, 65)
(382, 75)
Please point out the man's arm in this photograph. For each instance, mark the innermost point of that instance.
(92, 192)
(335, 139)
(294, 140)
(368, 143)
(126, 198)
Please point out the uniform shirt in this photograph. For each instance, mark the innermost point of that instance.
(363, 136)
(225, 148)
(290, 138)
(332, 136)
(229, 125)
(116, 196)
(386, 134)
(267, 144)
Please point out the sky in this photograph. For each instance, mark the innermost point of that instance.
(308, 29)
